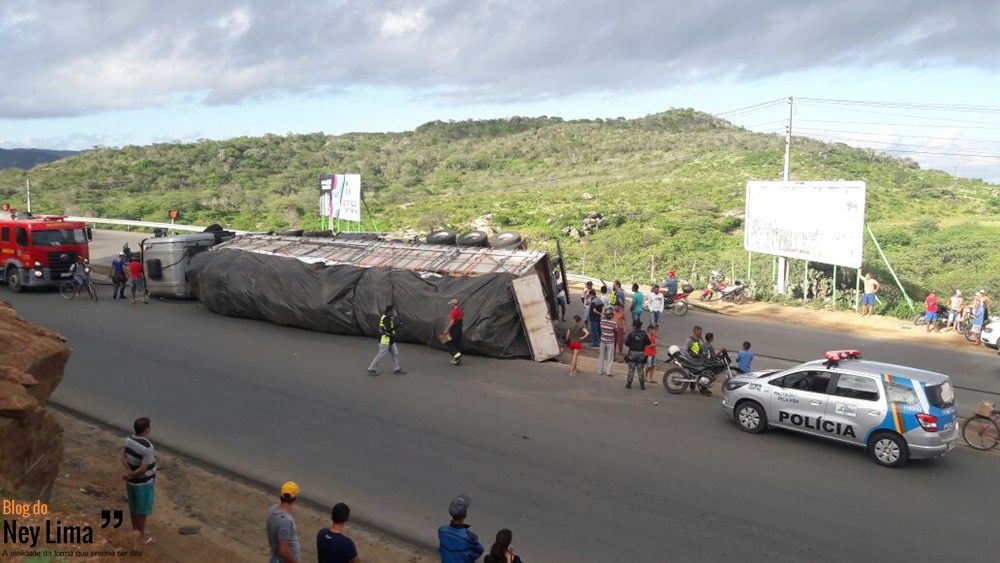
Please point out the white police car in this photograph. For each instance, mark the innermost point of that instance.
(895, 412)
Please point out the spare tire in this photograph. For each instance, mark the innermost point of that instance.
(443, 236)
(293, 233)
(506, 240)
(214, 227)
(473, 238)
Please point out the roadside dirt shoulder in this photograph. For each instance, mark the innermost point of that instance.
(228, 515)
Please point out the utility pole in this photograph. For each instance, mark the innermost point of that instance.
(782, 262)
(27, 185)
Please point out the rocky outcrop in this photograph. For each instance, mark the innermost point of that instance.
(31, 366)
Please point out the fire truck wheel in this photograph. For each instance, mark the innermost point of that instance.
(13, 278)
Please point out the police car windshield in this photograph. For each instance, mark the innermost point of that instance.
(942, 395)
(57, 237)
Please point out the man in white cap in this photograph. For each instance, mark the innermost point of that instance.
(955, 305)
(282, 536)
(457, 544)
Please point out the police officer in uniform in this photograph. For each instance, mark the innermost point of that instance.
(695, 349)
(387, 342)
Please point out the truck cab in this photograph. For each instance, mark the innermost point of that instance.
(38, 250)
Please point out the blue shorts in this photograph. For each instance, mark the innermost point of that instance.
(930, 317)
(868, 300)
(140, 498)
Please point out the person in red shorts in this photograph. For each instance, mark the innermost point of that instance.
(138, 282)
(576, 335)
(452, 335)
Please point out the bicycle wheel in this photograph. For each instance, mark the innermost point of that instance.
(92, 291)
(981, 433)
(68, 289)
(967, 330)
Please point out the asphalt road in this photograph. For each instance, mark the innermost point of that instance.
(580, 470)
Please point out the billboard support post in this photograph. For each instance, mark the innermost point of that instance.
(891, 271)
(782, 262)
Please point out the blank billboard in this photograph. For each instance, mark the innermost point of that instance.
(817, 221)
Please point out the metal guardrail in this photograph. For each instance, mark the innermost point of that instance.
(147, 224)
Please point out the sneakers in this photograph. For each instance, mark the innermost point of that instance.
(372, 372)
(628, 385)
(456, 359)
(398, 372)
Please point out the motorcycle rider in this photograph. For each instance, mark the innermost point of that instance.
(671, 285)
(695, 350)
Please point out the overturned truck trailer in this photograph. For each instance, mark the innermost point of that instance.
(343, 286)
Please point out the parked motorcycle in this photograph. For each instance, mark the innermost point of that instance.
(715, 285)
(942, 318)
(684, 373)
(735, 293)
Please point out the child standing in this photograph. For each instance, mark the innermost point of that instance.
(744, 358)
(651, 353)
(575, 337)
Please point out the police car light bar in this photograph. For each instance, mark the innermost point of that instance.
(834, 356)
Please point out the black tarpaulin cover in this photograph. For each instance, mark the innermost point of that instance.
(350, 300)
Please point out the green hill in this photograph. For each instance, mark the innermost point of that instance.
(671, 186)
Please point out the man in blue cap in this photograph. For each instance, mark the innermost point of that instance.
(457, 543)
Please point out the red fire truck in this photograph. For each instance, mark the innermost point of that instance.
(38, 250)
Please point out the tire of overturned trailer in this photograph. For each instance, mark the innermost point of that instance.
(507, 240)
(292, 233)
(443, 236)
(318, 234)
(473, 238)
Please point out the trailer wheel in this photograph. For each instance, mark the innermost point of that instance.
(506, 240)
(473, 238)
(443, 236)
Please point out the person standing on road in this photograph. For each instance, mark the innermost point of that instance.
(576, 335)
(332, 546)
(387, 342)
(282, 536)
(955, 306)
(138, 282)
(606, 353)
(452, 336)
(587, 295)
(655, 306)
(119, 277)
(651, 353)
(978, 319)
(931, 314)
(140, 476)
(744, 358)
(868, 299)
(636, 343)
(457, 543)
(502, 551)
(560, 295)
(637, 299)
(987, 302)
(621, 323)
(595, 312)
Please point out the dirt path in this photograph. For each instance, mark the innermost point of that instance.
(228, 514)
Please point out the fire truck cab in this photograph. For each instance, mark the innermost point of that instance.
(38, 250)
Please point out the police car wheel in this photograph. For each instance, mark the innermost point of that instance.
(751, 417)
(888, 450)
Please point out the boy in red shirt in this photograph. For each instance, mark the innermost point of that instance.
(138, 283)
(931, 315)
(452, 336)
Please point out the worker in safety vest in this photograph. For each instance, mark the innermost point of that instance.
(387, 342)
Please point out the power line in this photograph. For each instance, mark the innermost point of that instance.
(897, 135)
(836, 138)
(924, 106)
(750, 109)
(948, 119)
(997, 125)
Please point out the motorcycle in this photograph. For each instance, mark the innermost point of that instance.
(736, 293)
(942, 319)
(715, 285)
(678, 303)
(683, 372)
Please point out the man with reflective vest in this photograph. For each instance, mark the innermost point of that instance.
(387, 342)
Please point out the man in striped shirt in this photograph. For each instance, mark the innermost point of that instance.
(606, 352)
(139, 476)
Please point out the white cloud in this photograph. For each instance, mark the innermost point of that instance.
(403, 23)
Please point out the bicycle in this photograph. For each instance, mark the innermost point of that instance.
(68, 289)
(982, 432)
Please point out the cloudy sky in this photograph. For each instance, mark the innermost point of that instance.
(81, 73)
